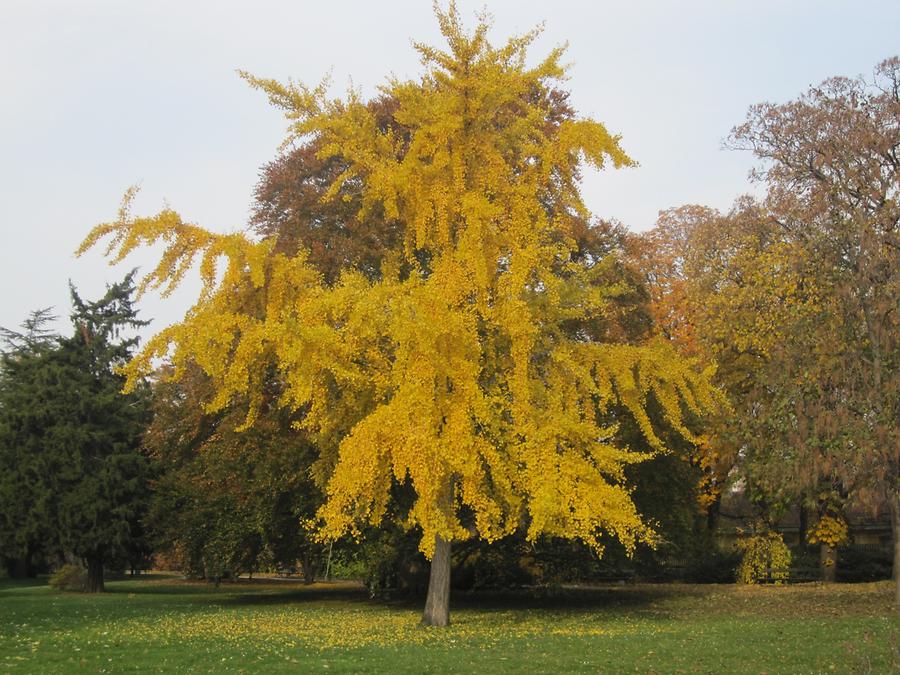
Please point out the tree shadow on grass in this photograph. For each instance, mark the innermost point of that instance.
(614, 600)
(264, 591)
(300, 593)
(173, 586)
(657, 601)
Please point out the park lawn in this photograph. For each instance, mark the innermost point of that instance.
(164, 624)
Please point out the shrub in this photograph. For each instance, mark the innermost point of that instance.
(830, 530)
(507, 563)
(715, 566)
(766, 559)
(805, 564)
(865, 563)
(69, 577)
(387, 560)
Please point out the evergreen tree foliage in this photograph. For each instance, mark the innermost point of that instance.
(73, 439)
(28, 508)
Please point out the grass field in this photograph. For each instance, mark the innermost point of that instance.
(164, 624)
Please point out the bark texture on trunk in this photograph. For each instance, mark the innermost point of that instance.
(308, 563)
(437, 603)
(828, 559)
(95, 576)
(328, 563)
(895, 531)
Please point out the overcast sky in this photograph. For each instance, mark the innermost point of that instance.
(101, 95)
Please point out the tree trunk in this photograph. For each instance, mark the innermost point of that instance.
(30, 566)
(328, 564)
(828, 559)
(803, 528)
(895, 531)
(95, 575)
(712, 514)
(308, 563)
(437, 603)
(19, 568)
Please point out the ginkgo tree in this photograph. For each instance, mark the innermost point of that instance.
(467, 369)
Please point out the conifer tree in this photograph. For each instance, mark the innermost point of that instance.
(104, 485)
(27, 507)
(72, 439)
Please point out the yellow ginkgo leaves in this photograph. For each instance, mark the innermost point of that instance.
(460, 370)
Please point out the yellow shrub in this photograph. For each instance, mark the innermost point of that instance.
(765, 558)
(830, 530)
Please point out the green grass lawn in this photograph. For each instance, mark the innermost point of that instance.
(163, 624)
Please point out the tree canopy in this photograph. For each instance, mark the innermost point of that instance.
(795, 297)
(467, 368)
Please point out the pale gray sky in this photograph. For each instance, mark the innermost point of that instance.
(99, 95)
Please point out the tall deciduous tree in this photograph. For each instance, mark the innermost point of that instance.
(796, 297)
(661, 254)
(467, 370)
(257, 488)
(751, 298)
(756, 309)
(832, 169)
(668, 258)
(291, 210)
